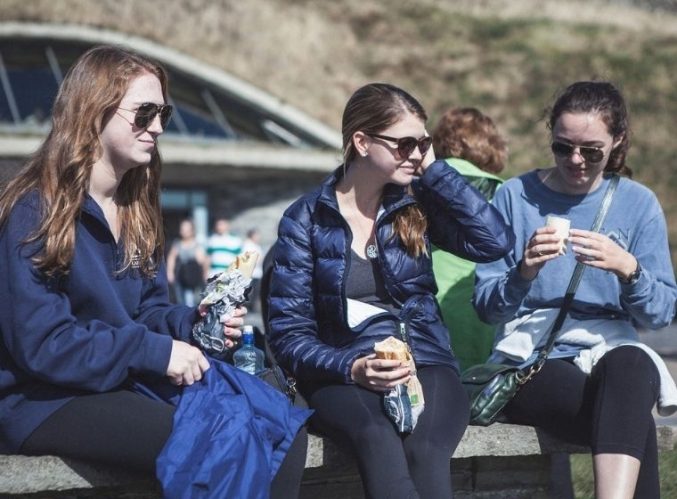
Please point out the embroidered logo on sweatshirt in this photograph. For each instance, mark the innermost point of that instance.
(620, 237)
(136, 260)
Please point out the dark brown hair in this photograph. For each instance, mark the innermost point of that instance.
(468, 134)
(605, 99)
(61, 168)
(372, 109)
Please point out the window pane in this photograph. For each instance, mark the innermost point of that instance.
(32, 83)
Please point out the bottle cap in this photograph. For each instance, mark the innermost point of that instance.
(247, 335)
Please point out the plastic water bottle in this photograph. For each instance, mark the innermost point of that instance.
(248, 357)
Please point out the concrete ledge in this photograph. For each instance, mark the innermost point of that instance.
(500, 461)
(495, 441)
(50, 476)
(21, 475)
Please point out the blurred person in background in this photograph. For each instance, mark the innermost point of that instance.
(470, 143)
(187, 265)
(222, 247)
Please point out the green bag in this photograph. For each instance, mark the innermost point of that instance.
(490, 387)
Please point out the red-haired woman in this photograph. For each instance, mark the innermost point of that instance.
(85, 315)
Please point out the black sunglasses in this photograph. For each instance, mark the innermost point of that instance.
(146, 113)
(406, 145)
(591, 154)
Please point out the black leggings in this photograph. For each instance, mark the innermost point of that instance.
(394, 466)
(610, 410)
(126, 429)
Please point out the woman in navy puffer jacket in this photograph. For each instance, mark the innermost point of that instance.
(352, 266)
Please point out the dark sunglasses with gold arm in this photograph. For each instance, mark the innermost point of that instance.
(406, 145)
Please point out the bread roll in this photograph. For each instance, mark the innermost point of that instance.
(392, 349)
(245, 263)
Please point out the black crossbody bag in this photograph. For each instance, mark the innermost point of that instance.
(491, 386)
(274, 375)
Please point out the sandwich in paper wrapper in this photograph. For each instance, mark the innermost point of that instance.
(404, 403)
(223, 294)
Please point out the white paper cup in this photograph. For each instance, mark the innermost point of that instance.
(562, 226)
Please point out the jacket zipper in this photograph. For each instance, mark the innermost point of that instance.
(405, 337)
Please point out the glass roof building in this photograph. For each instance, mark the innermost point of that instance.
(31, 70)
(230, 149)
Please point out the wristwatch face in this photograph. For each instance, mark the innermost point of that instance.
(634, 276)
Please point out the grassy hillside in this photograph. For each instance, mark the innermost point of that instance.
(511, 67)
(506, 57)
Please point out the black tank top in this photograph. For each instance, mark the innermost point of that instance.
(364, 282)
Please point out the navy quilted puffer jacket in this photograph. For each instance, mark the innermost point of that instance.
(309, 333)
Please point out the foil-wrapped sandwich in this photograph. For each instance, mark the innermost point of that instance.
(223, 294)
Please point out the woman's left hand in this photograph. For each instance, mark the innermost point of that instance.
(597, 250)
(231, 327)
(426, 161)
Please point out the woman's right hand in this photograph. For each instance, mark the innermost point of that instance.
(542, 247)
(380, 375)
(186, 364)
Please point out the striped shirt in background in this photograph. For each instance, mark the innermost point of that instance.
(222, 250)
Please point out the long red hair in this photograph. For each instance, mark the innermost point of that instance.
(61, 168)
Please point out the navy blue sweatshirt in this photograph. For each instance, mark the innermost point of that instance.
(92, 331)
